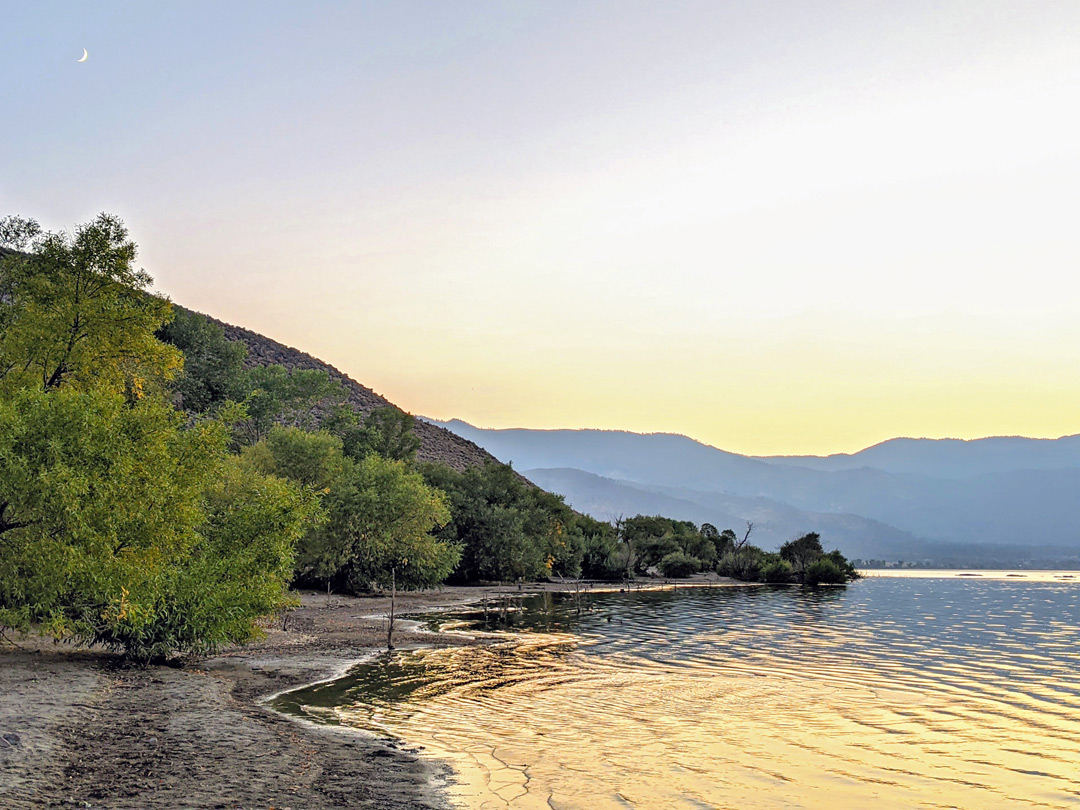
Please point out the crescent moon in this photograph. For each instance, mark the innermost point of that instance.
(85, 54)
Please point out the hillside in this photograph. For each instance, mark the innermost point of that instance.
(436, 443)
(774, 522)
(978, 499)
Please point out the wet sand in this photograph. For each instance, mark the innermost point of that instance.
(78, 731)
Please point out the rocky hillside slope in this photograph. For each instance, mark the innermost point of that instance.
(436, 443)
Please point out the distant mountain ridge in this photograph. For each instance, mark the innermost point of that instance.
(929, 493)
(774, 522)
(950, 458)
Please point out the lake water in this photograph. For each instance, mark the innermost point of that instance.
(933, 691)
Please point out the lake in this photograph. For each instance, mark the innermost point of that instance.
(925, 690)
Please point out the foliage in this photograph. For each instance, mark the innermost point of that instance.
(378, 513)
(122, 523)
(802, 552)
(213, 364)
(508, 529)
(831, 568)
(600, 557)
(102, 512)
(382, 515)
(746, 564)
(679, 564)
(776, 569)
(801, 560)
(812, 566)
(650, 550)
(315, 461)
(312, 459)
(76, 311)
(654, 537)
(387, 431)
(277, 395)
(238, 569)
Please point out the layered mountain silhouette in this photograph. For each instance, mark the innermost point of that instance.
(1007, 499)
(951, 458)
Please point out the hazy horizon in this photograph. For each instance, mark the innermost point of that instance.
(779, 228)
(702, 441)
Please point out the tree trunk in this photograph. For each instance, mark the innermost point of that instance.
(393, 599)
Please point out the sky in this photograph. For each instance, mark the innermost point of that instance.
(777, 227)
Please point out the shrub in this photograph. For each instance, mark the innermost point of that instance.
(745, 564)
(679, 564)
(824, 570)
(777, 570)
(600, 556)
(123, 529)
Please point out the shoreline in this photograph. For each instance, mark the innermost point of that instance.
(76, 730)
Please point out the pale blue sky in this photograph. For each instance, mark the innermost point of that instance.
(775, 226)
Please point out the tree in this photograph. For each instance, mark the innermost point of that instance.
(507, 528)
(802, 553)
(387, 431)
(600, 550)
(76, 311)
(679, 564)
(122, 522)
(384, 515)
(213, 364)
(626, 540)
(238, 569)
(313, 459)
(277, 395)
(122, 529)
(101, 500)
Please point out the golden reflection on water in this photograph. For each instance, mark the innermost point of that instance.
(893, 693)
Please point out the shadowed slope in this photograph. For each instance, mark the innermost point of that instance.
(436, 443)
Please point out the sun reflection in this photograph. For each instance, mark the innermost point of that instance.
(888, 694)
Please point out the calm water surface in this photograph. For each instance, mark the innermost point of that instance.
(895, 692)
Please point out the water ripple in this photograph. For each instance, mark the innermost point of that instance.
(891, 693)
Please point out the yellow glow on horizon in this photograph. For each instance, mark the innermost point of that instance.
(795, 233)
(798, 386)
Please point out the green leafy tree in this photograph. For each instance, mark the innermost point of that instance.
(314, 459)
(77, 312)
(383, 514)
(121, 528)
(97, 495)
(507, 528)
(802, 553)
(679, 564)
(600, 550)
(213, 364)
(656, 537)
(746, 563)
(775, 569)
(296, 398)
(386, 431)
(238, 569)
(122, 522)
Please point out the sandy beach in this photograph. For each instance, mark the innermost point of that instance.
(76, 730)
